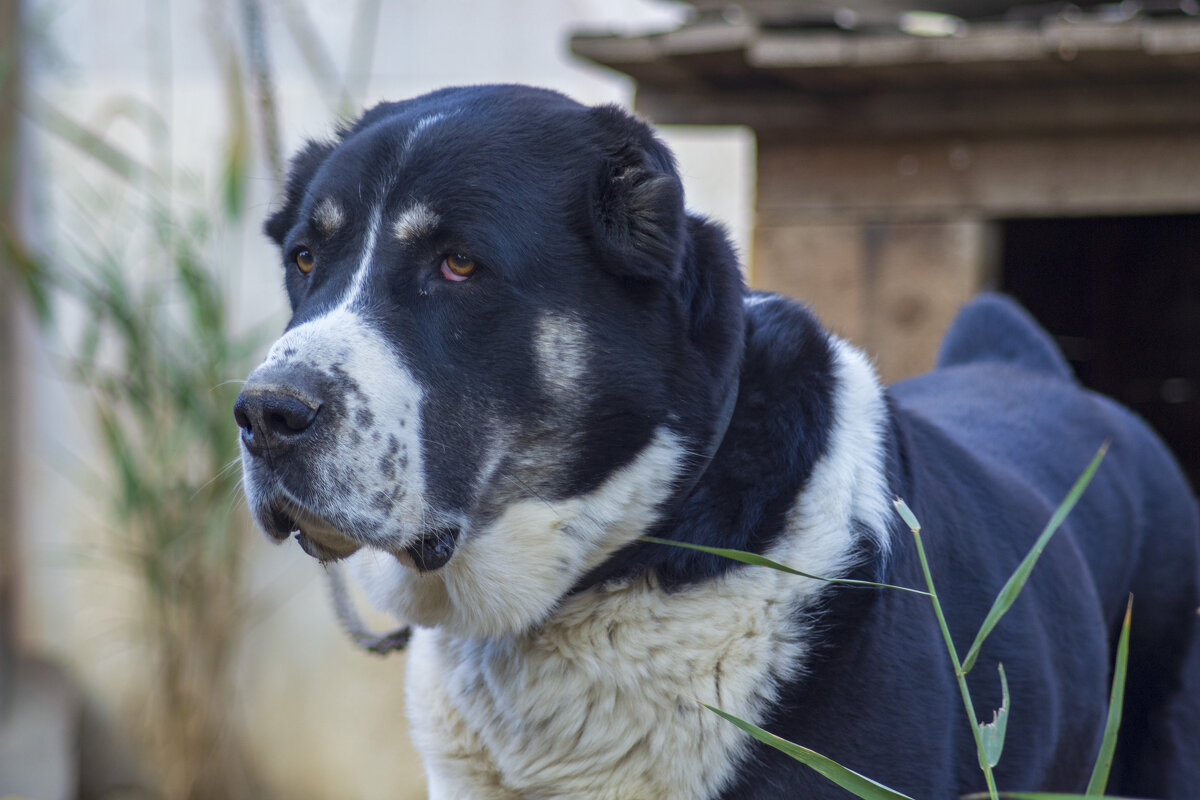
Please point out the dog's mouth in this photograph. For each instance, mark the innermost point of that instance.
(431, 550)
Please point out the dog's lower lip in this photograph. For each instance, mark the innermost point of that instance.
(323, 551)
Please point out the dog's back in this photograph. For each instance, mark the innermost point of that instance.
(1004, 392)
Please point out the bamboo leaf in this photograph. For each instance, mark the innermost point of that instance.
(1108, 744)
(992, 733)
(1016, 581)
(762, 561)
(92, 145)
(235, 172)
(848, 779)
(30, 270)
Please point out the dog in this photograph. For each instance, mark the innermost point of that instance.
(513, 354)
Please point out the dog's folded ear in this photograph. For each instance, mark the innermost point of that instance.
(638, 199)
(301, 170)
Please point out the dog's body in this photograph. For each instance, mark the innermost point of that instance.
(513, 353)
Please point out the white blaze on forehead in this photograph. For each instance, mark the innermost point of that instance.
(328, 216)
(365, 259)
(415, 221)
(421, 126)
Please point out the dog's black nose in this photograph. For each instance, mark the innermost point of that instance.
(274, 416)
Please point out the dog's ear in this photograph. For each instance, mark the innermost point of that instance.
(638, 199)
(301, 169)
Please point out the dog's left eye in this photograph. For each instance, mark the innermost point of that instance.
(304, 260)
(457, 267)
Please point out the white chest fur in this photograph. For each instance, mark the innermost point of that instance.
(602, 701)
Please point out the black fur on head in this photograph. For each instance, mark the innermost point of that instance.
(594, 350)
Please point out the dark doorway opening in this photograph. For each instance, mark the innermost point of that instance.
(1122, 297)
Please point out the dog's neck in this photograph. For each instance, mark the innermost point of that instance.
(798, 388)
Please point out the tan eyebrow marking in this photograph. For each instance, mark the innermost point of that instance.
(328, 217)
(416, 220)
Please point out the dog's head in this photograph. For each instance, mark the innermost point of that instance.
(510, 351)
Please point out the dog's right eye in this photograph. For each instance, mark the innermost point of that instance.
(456, 267)
(304, 260)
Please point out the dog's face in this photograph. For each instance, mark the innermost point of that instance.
(492, 376)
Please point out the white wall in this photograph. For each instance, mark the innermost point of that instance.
(325, 720)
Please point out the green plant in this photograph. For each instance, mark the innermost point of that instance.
(989, 736)
(154, 354)
(135, 268)
(141, 260)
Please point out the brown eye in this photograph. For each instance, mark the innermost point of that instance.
(457, 267)
(305, 261)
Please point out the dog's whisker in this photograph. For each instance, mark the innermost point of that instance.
(225, 470)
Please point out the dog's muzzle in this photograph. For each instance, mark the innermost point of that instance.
(280, 414)
(288, 417)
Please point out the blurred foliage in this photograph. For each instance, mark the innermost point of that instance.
(155, 350)
(137, 266)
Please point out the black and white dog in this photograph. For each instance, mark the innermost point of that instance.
(513, 353)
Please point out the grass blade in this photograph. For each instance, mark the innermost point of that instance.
(965, 691)
(848, 779)
(906, 514)
(1016, 581)
(762, 561)
(1109, 743)
(1042, 796)
(992, 733)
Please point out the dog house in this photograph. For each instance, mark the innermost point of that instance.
(906, 161)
